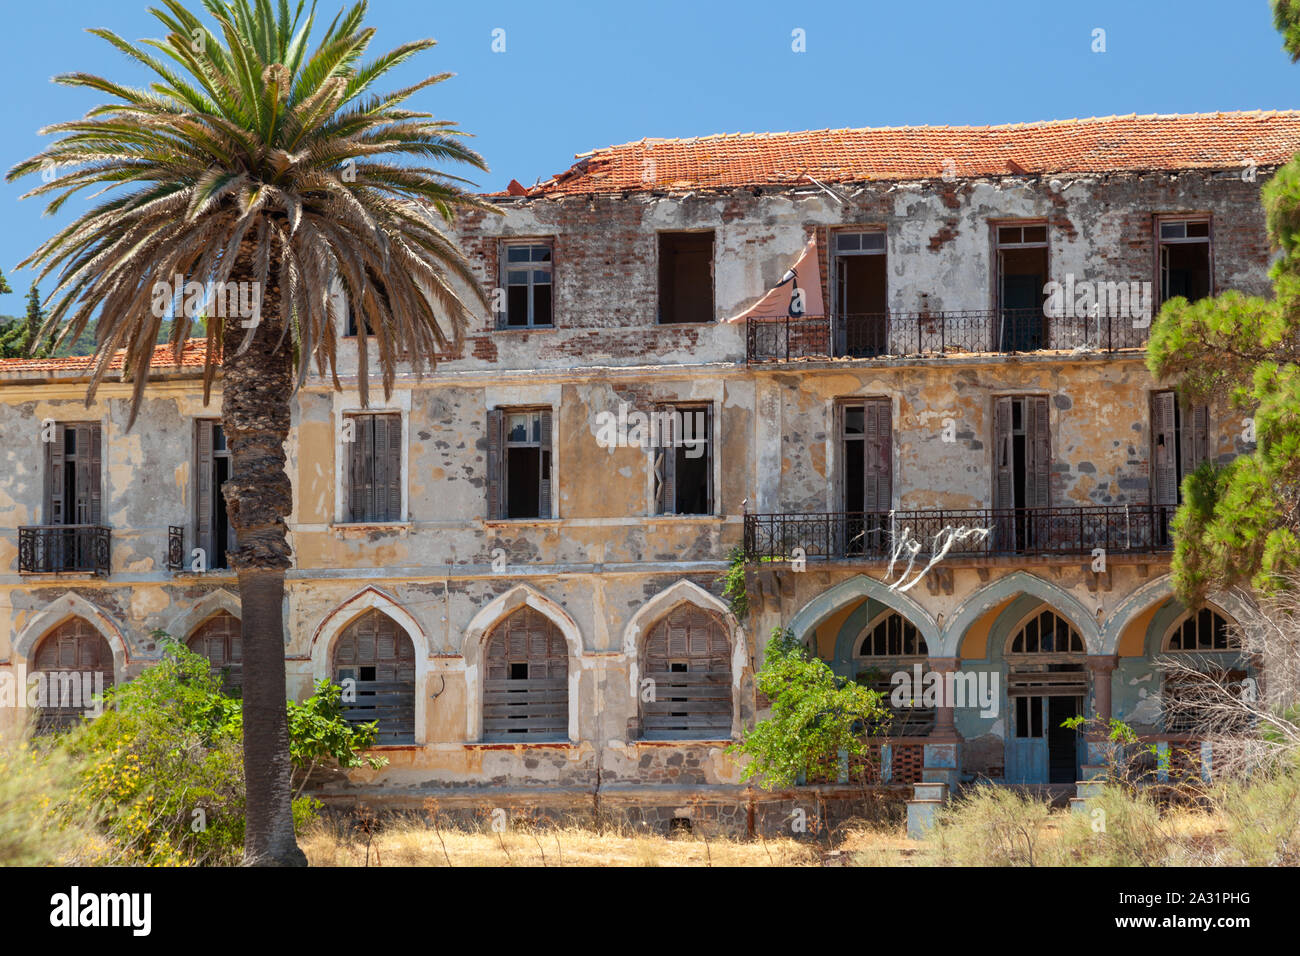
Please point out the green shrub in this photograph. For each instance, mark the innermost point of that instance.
(36, 788)
(161, 771)
(816, 718)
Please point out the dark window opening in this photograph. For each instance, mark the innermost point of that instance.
(683, 460)
(519, 463)
(518, 670)
(1022, 275)
(1022, 476)
(866, 478)
(215, 535)
(685, 277)
(1185, 259)
(526, 278)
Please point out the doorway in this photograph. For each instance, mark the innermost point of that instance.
(861, 294)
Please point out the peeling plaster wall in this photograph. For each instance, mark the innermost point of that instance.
(607, 554)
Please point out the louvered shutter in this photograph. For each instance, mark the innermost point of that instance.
(712, 507)
(496, 443)
(203, 489)
(1164, 467)
(361, 468)
(1196, 438)
(55, 507)
(1038, 445)
(1003, 486)
(544, 462)
(877, 449)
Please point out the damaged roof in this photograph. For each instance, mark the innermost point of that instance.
(1096, 145)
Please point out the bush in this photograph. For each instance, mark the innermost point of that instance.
(816, 718)
(990, 826)
(36, 788)
(161, 771)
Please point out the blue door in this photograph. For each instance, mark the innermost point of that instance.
(1039, 749)
(1027, 741)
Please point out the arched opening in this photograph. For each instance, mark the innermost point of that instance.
(687, 658)
(889, 645)
(1047, 683)
(71, 665)
(218, 639)
(1205, 643)
(374, 661)
(526, 680)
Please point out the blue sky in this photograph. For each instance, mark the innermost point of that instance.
(575, 76)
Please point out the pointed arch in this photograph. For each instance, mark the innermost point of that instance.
(659, 606)
(1157, 592)
(834, 598)
(476, 635)
(68, 606)
(1018, 582)
(336, 622)
(188, 621)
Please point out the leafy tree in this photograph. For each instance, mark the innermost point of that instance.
(816, 717)
(1241, 523)
(255, 159)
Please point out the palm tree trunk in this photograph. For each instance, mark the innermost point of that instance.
(256, 390)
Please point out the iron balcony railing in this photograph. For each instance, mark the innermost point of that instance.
(175, 548)
(931, 334)
(70, 547)
(880, 536)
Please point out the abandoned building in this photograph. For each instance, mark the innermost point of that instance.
(527, 582)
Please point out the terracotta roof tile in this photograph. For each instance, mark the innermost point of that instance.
(191, 358)
(1096, 145)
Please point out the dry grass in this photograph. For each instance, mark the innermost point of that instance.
(416, 843)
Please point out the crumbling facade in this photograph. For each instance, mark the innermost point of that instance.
(518, 557)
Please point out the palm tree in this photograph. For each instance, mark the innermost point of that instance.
(250, 159)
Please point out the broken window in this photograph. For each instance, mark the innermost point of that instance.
(889, 645)
(375, 468)
(1022, 449)
(374, 663)
(215, 535)
(866, 474)
(1204, 630)
(74, 647)
(687, 659)
(219, 640)
(519, 463)
(1022, 276)
(682, 455)
(526, 690)
(861, 294)
(526, 279)
(685, 277)
(1185, 258)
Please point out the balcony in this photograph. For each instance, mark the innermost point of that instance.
(934, 335)
(56, 549)
(869, 536)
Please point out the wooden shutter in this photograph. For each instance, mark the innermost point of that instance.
(1038, 448)
(712, 507)
(534, 707)
(361, 468)
(1003, 453)
(203, 489)
(385, 503)
(87, 508)
(1196, 437)
(695, 703)
(664, 456)
(496, 444)
(55, 506)
(1164, 467)
(877, 474)
(544, 463)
